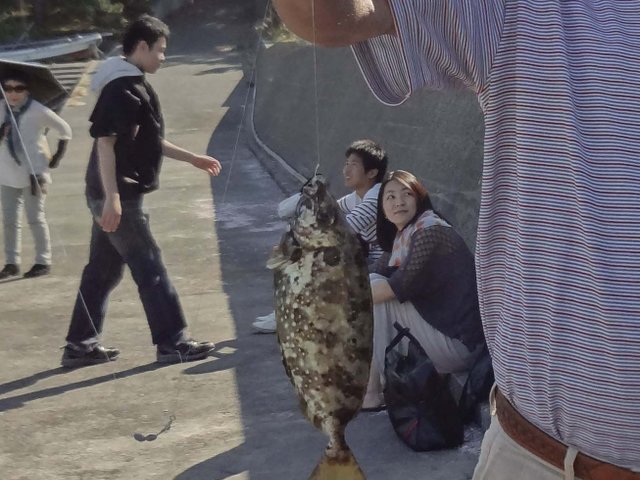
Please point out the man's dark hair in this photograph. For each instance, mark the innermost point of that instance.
(16, 76)
(372, 156)
(146, 29)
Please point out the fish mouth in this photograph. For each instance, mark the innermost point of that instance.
(314, 191)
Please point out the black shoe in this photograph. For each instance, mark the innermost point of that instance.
(38, 270)
(186, 351)
(76, 357)
(9, 270)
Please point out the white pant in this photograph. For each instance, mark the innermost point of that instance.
(13, 200)
(447, 354)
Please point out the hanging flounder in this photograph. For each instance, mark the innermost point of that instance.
(324, 321)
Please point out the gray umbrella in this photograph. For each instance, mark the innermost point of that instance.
(43, 86)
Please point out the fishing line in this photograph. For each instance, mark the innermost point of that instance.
(14, 126)
(171, 417)
(315, 83)
(251, 82)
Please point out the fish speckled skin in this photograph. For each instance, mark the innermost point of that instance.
(324, 316)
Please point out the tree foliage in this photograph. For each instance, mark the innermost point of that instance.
(49, 17)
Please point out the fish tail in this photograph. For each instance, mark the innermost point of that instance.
(345, 467)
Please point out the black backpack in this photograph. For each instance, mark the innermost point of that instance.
(421, 407)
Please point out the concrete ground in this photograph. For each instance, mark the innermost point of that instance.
(235, 413)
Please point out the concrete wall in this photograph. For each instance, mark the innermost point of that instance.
(436, 136)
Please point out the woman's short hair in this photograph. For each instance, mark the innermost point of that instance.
(385, 230)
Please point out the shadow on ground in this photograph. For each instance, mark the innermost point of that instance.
(19, 400)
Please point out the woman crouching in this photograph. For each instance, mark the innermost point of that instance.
(424, 281)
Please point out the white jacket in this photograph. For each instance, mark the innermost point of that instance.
(33, 123)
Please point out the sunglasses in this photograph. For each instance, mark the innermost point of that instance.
(16, 88)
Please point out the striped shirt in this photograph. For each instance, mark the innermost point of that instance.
(558, 249)
(361, 216)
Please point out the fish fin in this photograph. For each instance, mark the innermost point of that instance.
(338, 469)
(286, 252)
(276, 261)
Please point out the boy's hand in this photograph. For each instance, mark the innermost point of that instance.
(207, 163)
(111, 214)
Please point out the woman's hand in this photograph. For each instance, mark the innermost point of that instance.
(381, 291)
(56, 157)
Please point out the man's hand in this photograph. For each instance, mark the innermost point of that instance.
(336, 23)
(111, 214)
(206, 163)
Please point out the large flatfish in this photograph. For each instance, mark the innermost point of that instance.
(324, 321)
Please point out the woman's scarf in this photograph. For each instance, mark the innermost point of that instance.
(6, 129)
(402, 242)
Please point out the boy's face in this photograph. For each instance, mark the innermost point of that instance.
(151, 57)
(354, 175)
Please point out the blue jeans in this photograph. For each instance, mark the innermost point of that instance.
(131, 244)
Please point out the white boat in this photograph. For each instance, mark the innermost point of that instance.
(42, 50)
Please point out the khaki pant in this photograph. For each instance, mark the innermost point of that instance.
(501, 458)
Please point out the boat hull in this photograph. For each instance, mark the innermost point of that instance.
(52, 48)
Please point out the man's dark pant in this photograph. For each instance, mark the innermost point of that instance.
(131, 244)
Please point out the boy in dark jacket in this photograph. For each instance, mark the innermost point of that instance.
(125, 163)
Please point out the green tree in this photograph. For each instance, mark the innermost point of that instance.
(134, 8)
(51, 17)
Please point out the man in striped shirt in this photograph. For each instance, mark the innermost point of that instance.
(364, 169)
(558, 249)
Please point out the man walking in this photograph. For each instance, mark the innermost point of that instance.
(125, 162)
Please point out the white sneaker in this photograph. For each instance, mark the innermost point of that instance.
(266, 323)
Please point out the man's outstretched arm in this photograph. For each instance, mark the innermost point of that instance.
(203, 162)
(337, 22)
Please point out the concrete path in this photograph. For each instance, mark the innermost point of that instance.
(234, 415)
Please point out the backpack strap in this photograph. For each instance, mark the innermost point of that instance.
(403, 332)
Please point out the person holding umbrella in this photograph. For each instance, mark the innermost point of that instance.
(25, 161)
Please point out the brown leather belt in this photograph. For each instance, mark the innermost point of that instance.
(550, 450)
